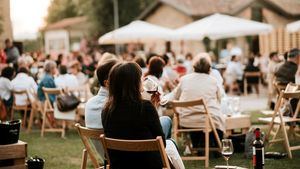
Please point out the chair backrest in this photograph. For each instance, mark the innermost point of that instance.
(50, 91)
(20, 92)
(186, 104)
(87, 136)
(136, 146)
(278, 87)
(291, 92)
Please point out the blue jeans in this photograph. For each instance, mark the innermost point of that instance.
(166, 124)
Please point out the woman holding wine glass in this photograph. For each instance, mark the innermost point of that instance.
(127, 116)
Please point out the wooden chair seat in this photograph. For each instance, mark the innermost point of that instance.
(267, 112)
(278, 121)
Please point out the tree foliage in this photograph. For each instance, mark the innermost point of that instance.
(99, 12)
(60, 9)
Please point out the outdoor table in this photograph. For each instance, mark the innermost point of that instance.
(241, 122)
(12, 156)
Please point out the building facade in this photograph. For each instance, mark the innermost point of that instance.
(177, 13)
(5, 22)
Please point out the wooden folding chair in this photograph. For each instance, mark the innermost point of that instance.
(48, 113)
(209, 126)
(278, 87)
(36, 107)
(87, 136)
(135, 146)
(26, 107)
(281, 121)
(246, 84)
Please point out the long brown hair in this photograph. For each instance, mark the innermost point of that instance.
(124, 85)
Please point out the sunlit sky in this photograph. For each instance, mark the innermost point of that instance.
(27, 17)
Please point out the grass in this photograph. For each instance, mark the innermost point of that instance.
(66, 153)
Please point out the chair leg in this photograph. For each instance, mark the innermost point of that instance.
(269, 130)
(276, 133)
(32, 114)
(84, 159)
(206, 148)
(245, 88)
(257, 89)
(63, 129)
(287, 143)
(44, 122)
(12, 113)
(24, 118)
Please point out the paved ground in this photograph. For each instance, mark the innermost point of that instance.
(254, 102)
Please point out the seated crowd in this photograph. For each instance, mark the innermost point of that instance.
(123, 108)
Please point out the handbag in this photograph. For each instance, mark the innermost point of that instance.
(67, 102)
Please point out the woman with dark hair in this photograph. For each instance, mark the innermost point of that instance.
(127, 116)
(155, 71)
(5, 85)
(141, 62)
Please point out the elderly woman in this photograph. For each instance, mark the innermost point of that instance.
(48, 80)
(196, 85)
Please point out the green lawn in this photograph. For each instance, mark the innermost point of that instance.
(66, 153)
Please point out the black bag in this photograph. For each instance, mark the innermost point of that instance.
(67, 102)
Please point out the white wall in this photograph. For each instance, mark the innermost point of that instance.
(57, 41)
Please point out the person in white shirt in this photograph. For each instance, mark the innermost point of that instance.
(188, 63)
(24, 82)
(65, 80)
(234, 72)
(169, 75)
(5, 86)
(95, 105)
(193, 86)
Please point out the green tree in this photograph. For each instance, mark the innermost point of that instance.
(100, 13)
(60, 9)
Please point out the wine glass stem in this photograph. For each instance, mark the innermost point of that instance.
(227, 164)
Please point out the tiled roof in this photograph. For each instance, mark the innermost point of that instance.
(64, 23)
(201, 8)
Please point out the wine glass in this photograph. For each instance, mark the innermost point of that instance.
(151, 87)
(236, 105)
(227, 149)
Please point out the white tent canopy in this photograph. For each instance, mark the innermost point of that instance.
(218, 26)
(293, 27)
(136, 32)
